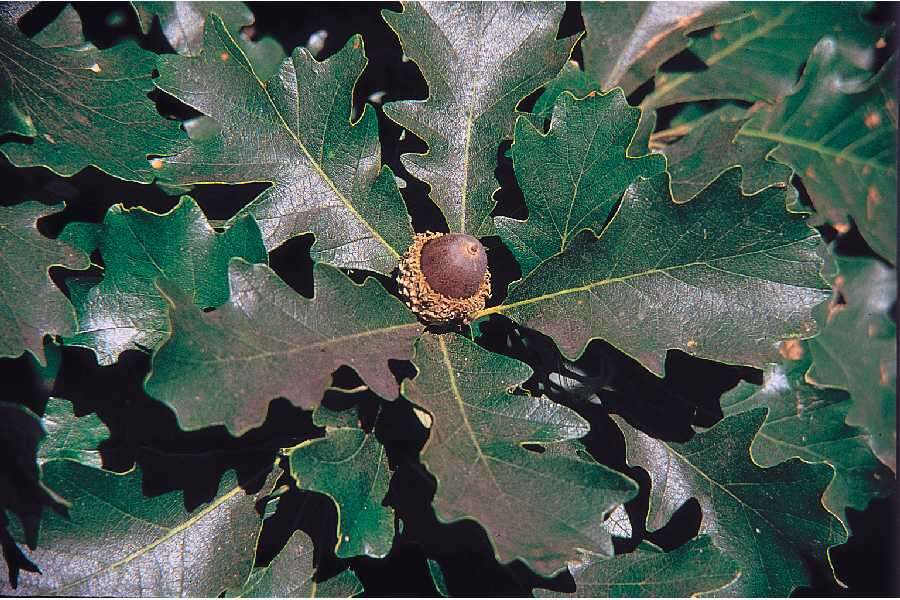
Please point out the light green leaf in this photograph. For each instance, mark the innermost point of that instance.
(81, 106)
(771, 521)
(647, 572)
(267, 341)
(290, 575)
(535, 507)
(714, 145)
(294, 131)
(70, 437)
(627, 41)
(856, 349)
(351, 467)
(758, 57)
(118, 542)
(574, 176)
(838, 131)
(480, 60)
(724, 277)
(125, 310)
(30, 304)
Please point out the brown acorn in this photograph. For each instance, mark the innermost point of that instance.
(444, 277)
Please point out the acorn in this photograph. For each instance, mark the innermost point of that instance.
(444, 277)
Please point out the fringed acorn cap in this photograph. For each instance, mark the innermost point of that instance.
(444, 277)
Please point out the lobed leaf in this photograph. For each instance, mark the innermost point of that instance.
(182, 21)
(574, 176)
(480, 60)
(30, 304)
(223, 367)
(647, 572)
(294, 131)
(119, 542)
(723, 277)
(771, 521)
(536, 507)
(70, 437)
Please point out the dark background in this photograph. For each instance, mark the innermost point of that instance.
(146, 432)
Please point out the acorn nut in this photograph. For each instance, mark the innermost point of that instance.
(444, 277)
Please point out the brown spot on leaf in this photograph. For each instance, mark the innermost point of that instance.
(717, 36)
(811, 173)
(866, 169)
(884, 376)
(872, 120)
(224, 56)
(49, 138)
(356, 43)
(156, 163)
(95, 68)
(881, 43)
(791, 349)
(872, 330)
(873, 199)
(81, 118)
(691, 344)
(838, 161)
(841, 228)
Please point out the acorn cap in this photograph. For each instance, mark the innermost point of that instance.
(444, 277)
(454, 264)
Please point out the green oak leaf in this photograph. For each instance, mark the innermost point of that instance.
(125, 310)
(570, 79)
(182, 21)
(479, 60)
(807, 422)
(70, 437)
(771, 521)
(724, 277)
(838, 131)
(350, 466)
(290, 575)
(295, 132)
(714, 145)
(647, 572)
(119, 542)
(23, 490)
(535, 507)
(627, 42)
(758, 56)
(573, 176)
(78, 105)
(267, 341)
(82, 235)
(856, 349)
(30, 304)
(437, 578)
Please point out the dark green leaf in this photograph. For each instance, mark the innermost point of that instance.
(63, 32)
(70, 437)
(711, 147)
(770, 520)
(290, 575)
(573, 176)
(723, 277)
(294, 131)
(81, 106)
(117, 542)
(30, 304)
(838, 131)
(627, 41)
(125, 310)
(647, 572)
(536, 507)
(758, 57)
(570, 79)
(182, 21)
(437, 577)
(856, 349)
(479, 60)
(22, 491)
(267, 341)
(351, 467)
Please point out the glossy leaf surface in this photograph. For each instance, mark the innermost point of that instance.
(574, 176)
(294, 131)
(724, 277)
(71, 437)
(479, 61)
(858, 318)
(771, 521)
(537, 507)
(223, 367)
(648, 572)
(182, 21)
(125, 310)
(30, 303)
